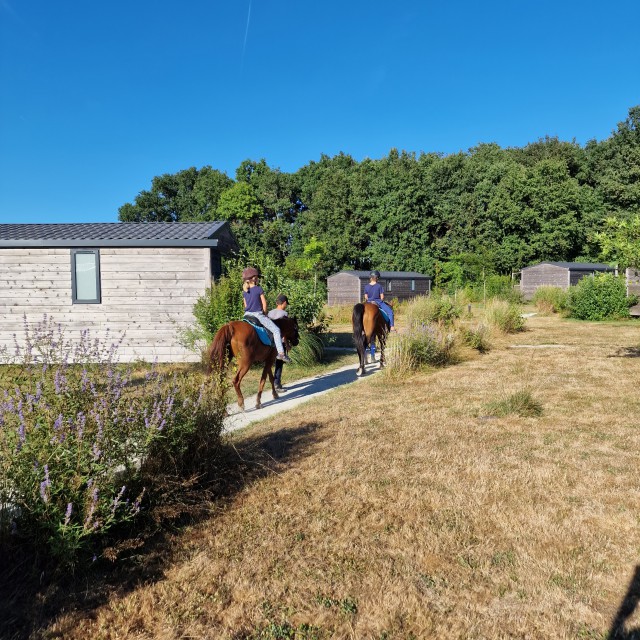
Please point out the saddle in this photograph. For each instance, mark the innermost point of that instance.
(385, 315)
(265, 336)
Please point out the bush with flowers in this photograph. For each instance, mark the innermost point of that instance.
(82, 440)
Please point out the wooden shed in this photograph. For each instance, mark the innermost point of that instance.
(557, 274)
(633, 288)
(347, 287)
(138, 278)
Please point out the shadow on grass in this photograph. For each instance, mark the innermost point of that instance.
(628, 606)
(626, 352)
(33, 591)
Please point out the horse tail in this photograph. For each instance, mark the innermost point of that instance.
(357, 320)
(220, 349)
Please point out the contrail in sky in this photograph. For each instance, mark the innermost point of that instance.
(246, 34)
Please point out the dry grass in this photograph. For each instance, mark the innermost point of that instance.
(404, 512)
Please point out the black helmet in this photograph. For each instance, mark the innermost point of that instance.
(375, 274)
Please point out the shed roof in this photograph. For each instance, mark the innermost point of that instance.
(389, 275)
(576, 266)
(116, 234)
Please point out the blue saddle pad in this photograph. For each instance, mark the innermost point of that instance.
(264, 335)
(385, 315)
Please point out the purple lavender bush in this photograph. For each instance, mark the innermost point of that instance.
(81, 439)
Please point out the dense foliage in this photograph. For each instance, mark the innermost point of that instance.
(461, 217)
(600, 297)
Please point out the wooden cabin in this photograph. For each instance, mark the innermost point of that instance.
(633, 288)
(140, 279)
(557, 274)
(347, 287)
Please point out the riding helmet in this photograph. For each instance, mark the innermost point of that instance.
(375, 274)
(249, 272)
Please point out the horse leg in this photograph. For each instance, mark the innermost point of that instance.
(243, 367)
(263, 378)
(272, 379)
(362, 356)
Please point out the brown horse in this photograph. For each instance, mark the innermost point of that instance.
(368, 324)
(240, 339)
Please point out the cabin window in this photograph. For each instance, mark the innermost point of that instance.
(388, 285)
(85, 276)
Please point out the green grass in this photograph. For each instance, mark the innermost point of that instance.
(521, 403)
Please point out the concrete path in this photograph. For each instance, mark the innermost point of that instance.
(295, 393)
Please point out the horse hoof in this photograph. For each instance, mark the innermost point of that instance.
(275, 395)
(258, 405)
(359, 372)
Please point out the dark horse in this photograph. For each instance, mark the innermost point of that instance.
(238, 338)
(368, 324)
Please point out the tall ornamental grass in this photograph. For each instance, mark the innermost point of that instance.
(436, 308)
(309, 351)
(420, 347)
(504, 316)
(85, 446)
(550, 300)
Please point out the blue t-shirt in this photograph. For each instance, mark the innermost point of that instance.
(374, 291)
(252, 298)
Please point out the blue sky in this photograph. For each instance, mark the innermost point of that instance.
(98, 98)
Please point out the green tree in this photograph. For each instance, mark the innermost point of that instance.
(620, 241)
(188, 195)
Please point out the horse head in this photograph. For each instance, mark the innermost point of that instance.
(289, 330)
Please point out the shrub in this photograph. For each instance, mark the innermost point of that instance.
(600, 297)
(427, 345)
(220, 303)
(505, 316)
(521, 403)
(82, 443)
(502, 287)
(436, 308)
(550, 299)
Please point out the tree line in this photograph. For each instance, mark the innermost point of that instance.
(489, 210)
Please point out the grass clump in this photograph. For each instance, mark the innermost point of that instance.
(433, 309)
(521, 403)
(420, 347)
(550, 300)
(504, 316)
(477, 337)
(339, 313)
(309, 351)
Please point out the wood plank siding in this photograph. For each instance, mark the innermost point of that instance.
(348, 287)
(147, 293)
(547, 275)
(633, 288)
(344, 288)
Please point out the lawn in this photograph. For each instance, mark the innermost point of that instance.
(414, 509)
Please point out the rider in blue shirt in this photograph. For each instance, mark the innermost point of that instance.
(255, 305)
(373, 292)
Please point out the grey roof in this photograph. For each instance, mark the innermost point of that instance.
(389, 275)
(114, 234)
(577, 266)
